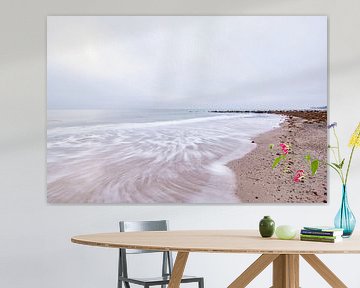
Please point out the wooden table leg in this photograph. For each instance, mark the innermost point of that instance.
(293, 262)
(178, 270)
(324, 271)
(286, 271)
(253, 270)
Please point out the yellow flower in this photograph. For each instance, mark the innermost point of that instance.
(355, 138)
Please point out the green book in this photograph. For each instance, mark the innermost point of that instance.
(319, 236)
(325, 240)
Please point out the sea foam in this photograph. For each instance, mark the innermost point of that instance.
(171, 161)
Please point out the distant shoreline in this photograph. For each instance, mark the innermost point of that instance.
(311, 114)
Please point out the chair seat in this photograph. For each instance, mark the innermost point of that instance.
(158, 280)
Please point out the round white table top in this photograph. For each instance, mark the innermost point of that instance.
(219, 241)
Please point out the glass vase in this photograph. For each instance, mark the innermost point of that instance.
(345, 219)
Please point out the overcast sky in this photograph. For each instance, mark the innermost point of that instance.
(186, 62)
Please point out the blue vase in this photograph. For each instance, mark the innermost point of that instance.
(345, 219)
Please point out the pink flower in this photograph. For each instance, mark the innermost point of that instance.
(299, 175)
(284, 148)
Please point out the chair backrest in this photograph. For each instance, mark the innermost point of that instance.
(134, 226)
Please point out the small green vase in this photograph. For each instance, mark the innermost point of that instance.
(267, 227)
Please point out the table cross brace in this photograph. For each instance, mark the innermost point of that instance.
(286, 271)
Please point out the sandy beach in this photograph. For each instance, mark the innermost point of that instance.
(258, 182)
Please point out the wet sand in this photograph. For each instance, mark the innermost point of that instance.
(257, 182)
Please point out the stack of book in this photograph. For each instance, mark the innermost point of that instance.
(321, 234)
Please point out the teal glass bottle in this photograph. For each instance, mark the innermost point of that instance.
(345, 219)
(267, 227)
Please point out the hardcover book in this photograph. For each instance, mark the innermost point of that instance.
(321, 233)
(326, 240)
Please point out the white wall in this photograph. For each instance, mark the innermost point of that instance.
(35, 248)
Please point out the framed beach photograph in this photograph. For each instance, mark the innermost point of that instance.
(186, 109)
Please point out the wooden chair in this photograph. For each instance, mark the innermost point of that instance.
(167, 262)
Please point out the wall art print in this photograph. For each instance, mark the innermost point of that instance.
(186, 109)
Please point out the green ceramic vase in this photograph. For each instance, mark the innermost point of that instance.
(267, 227)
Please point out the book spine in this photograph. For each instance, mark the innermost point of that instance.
(319, 233)
(318, 236)
(317, 239)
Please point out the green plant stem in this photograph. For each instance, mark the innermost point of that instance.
(333, 152)
(337, 171)
(339, 161)
(337, 144)
(348, 167)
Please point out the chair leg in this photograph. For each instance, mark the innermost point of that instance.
(201, 283)
(119, 270)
